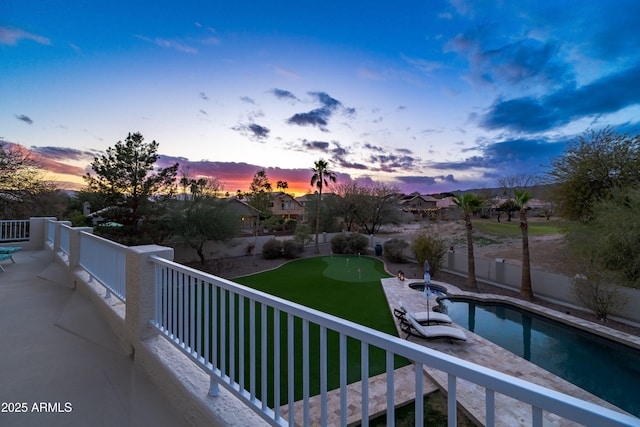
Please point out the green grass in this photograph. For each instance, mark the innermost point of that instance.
(345, 286)
(512, 228)
(332, 285)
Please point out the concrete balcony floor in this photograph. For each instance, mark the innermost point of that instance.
(57, 350)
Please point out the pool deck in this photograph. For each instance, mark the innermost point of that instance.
(476, 349)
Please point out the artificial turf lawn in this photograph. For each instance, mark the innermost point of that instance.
(344, 286)
(332, 284)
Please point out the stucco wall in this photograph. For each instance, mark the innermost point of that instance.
(546, 285)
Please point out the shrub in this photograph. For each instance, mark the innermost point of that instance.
(597, 294)
(303, 234)
(349, 243)
(394, 249)
(431, 248)
(292, 249)
(272, 249)
(273, 223)
(290, 224)
(80, 220)
(338, 243)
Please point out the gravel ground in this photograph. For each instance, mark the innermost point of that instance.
(230, 268)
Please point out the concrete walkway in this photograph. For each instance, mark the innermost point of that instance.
(60, 362)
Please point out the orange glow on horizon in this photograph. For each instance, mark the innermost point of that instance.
(295, 189)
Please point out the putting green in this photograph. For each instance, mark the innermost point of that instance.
(351, 268)
(332, 285)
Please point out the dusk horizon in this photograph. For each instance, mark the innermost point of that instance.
(424, 97)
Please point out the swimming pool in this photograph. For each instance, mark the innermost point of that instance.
(437, 290)
(605, 368)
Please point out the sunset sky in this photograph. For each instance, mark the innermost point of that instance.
(427, 96)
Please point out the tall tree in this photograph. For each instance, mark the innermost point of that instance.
(320, 178)
(24, 191)
(469, 204)
(375, 205)
(508, 186)
(522, 199)
(259, 196)
(202, 217)
(509, 206)
(201, 187)
(127, 176)
(282, 185)
(609, 246)
(346, 204)
(594, 164)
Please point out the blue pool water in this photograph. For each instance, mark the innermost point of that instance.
(605, 368)
(439, 291)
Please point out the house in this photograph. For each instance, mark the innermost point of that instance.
(417, 203)
(286, 207)
(248, 214)
(447, 209)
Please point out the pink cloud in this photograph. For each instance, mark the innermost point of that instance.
(11, 36)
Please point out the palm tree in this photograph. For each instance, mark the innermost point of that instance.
(282, 185)
(321, 177)
(521, 199)
(469, 203)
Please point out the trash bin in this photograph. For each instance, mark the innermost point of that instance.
(378, 249)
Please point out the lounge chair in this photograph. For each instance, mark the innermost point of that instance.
(9, 249)
(422, 316)
(4, 257)
(431, 332)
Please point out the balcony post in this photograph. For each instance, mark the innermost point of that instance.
(140, 282)
(74, 246)
(38, 231)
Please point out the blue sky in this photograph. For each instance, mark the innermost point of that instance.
(427, 96)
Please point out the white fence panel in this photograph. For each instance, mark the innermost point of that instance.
(105, 261)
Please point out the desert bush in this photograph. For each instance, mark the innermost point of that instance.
(431, 248)
(303, 234)
(394, 249)
(292, 249)
(597, 295)
(349, 243)
(272, 249)
(273, 223)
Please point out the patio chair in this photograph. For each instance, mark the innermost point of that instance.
(423, 317)
(4, 257)
(413, 328)
(9, 249)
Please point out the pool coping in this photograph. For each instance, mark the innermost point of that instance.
(565, 318)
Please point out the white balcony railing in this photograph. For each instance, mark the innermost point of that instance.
(206, 318)
(105, 261)
(14, 230)
(65, 239)
(245, 340)
(51, 233)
